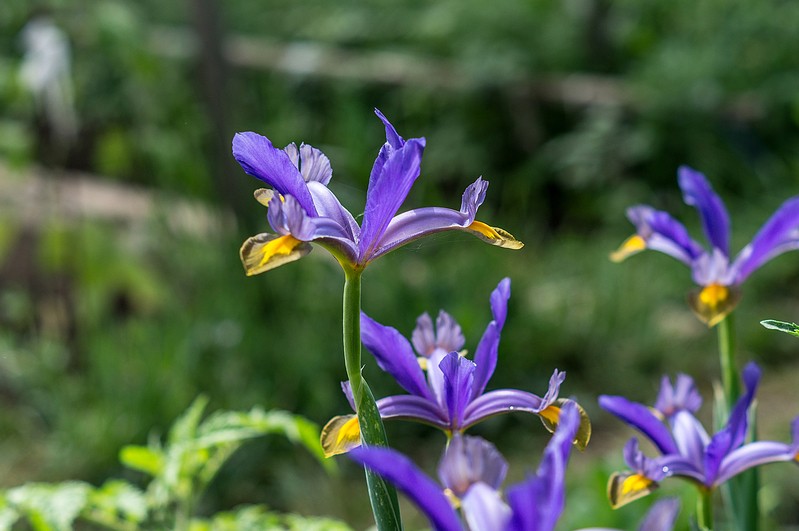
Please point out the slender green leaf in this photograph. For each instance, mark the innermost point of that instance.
(782, 326)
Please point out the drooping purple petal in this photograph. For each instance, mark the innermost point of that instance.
(421, 222)
(471, 460)
(412, 407)
(682, 396)
(663, 233)
(698, 193)
(500, 401)
(386, 193)
(484, 509)
(415, 484)
(640, 463)
(458, 377)
(779, 234)
(752, 455)
(486, 354)
(287, 216)
(394, 355)
(640, 417)
(259, 158)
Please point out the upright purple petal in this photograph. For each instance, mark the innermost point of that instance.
(698, 193)
(388, 188)
(486, 354)
(415, 484)
(312, 163)
(538, 502)
(778, 235)
(471, 460)
(682, 396)
(640, 417)
(393, 138)
(394, 355)
(259, 158)
(458, 377)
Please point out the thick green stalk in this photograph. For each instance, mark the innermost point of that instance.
(742, 490)
(729, 371)
(383, 496)
(704, 509)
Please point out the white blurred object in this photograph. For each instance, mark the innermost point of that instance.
(46, 72)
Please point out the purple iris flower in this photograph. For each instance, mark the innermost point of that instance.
(445, 389)
(471, 472)
(660, 517)
(302, 209)
(686, 450)
(713, 269)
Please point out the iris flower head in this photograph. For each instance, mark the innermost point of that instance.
(445, 389)
(713, 269)
(684, 448)
(302, 209)
(471, 472)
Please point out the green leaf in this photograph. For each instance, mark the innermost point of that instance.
(50, 507)
(788, 328)
(117, 500)
(185, 428)
(144, 459)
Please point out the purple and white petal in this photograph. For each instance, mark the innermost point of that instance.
(471, 460)
(412, 407)
(484, 509)
(779, 234)
(663, 233)
(449, 336)
(259, 158)
(691, 437)
(501, 401)
(661, 516)
(415, 484)
(682, 396)
(752, 455)
(394, 355)
(424, 336)
(435, 377)
(640, 417)
(328, 206)
(287, 216)
(698, 193)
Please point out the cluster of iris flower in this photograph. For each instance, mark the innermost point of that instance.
(447, 390)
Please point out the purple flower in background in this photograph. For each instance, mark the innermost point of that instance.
(686, 450)
(471, 472)
(302, 209)
(660, 517)
(446, 390)
(713, 269)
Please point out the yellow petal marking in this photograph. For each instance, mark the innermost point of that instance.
(713, 302)
(550, 417)
(268, 251)
(627, 487)
(422, 362)
(494, 235)
(340, 435)
(630, 246)
(264, 195)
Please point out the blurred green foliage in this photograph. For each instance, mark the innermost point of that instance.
(573, 110)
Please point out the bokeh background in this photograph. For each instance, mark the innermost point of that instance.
(122, 210)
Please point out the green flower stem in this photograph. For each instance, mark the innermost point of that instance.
(704, 509)
(742, 490)
(729, 371)
(382, 495)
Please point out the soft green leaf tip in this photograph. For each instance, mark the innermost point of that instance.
(788, 328)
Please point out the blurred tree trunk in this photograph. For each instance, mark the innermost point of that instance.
(213, 72)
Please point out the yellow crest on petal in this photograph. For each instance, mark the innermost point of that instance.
(624, 488)
(264, 195)
(713, 302)
(340, 435)
(494, 235)
(632, 245)
(265, 251)
(550, 417)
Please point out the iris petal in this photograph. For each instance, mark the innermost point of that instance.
(698, 193)
(263, 252)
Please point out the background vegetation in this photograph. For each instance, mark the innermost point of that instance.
(116, 315)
